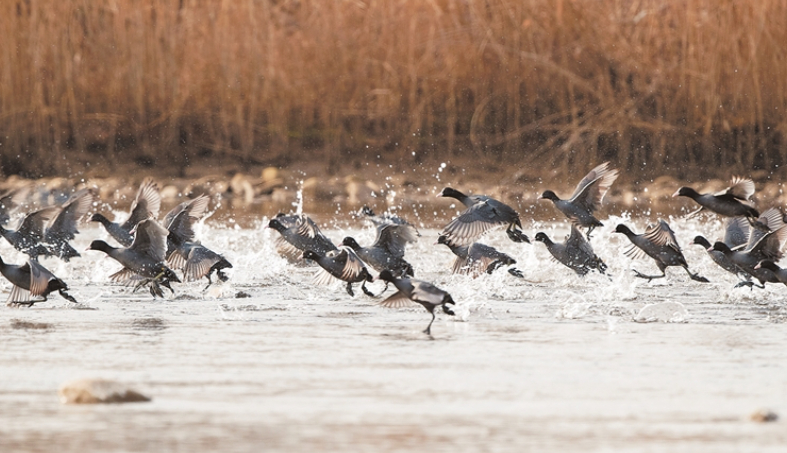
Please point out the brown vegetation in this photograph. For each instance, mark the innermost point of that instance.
(676, 84)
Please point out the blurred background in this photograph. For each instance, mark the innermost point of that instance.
(690, 88)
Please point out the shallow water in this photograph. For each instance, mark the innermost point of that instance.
(549, 363)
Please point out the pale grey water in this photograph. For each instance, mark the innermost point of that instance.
(553, 363)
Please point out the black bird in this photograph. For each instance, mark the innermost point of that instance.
(735, 236)
(734, 201)
(342, 264)
(482, 214)
(575, 253)
(146, 205)
(298, 234)
(387, 251)
(32, 279)
(412, 291)
(659, 243)
(478, 258)
(197, 261)
(778, 272)
(180, 221)
(765, 243)
(587, 197)
(29, 235)
(64, 227)
(143, 262)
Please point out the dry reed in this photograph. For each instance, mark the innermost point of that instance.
(676, 84)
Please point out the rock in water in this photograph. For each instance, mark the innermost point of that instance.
(96, 391)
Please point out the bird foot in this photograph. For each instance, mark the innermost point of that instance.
(516, 272)
(517, 236)
(649, 278)
(699, 278)
(67, 296)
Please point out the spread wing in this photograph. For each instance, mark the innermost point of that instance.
(200, 260)
(736, 232)
(126, 277)
(591, 190)
(180, 220)
(65, 224)
(740, 188)
(471, 224)
(147, 204)
(151, 239)
(394, 238)
(769, 220)
(307, 227)
(287, 249)
(770, 245)
(353, 266)
(662, 235)
(397, 300)
(18, 294)
(33, 224)
(576, 241)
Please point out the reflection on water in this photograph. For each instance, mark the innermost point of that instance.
(549, 363)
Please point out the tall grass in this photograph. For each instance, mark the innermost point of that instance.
(676, 84)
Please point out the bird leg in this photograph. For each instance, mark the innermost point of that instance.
(694, 213)
(648, 277)
(210, 282)
(516, 235)
(590, 230)
(750, 284)
(221, 275)
(493, 266)
(696, 277)
(350, 289)
(516, 272)
(428, 330)
(366, 291)
(67, 296)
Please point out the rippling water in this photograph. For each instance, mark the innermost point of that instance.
(549, 363)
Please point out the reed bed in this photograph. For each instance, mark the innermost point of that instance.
(681, 85)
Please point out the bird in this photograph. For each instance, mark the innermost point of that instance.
(180, 220)
(147, 204)
(412, 291)
(659, 243)
(734, 201)
(478, 258)
(143, 261)
(32, 279)
(298, 234)
(64, 226)
(387, 251)
(762, 245)
(575, 253)
(587, 197)
(482, 214)
(342, 264)
(778, 272)
(28, 237)
(735, 236)
(197, 261)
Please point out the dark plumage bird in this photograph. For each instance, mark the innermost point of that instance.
(387, 251)
(412, 291)
(342, 264)
(734, 201)
(32, 279)
(64, 227)
(385, 218)
(478, 258)
(146, 205)
(482, 214)
(28, 237)
(735, 236)
(197, 261)
(143, 262)
(298, 234)
(575, 253)
(764, 244)
(778, 272)
(659, 243)
(180, 221)
(587, 197)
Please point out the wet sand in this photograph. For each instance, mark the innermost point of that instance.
(548, 363)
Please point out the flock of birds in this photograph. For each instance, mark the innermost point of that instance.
(155, 254)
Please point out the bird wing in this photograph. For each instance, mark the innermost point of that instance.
(323, 277)
(65, 224)
(33, 224)
(471, 224)
(394, 238)
(151, 239)
(39, 278)
(770, 245)
(769, 220)
(353, 266)
(736, 232)
(125, 277)
(176, 260)
(397, 300)
(740, 188)
(307, 227)
(200, 260)
(180, 220)
(591, 190)
(287, 249)
(147, 204)
(576, 242)
(426, 292)
(18, 294)
(635, 252)
(662, 235)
